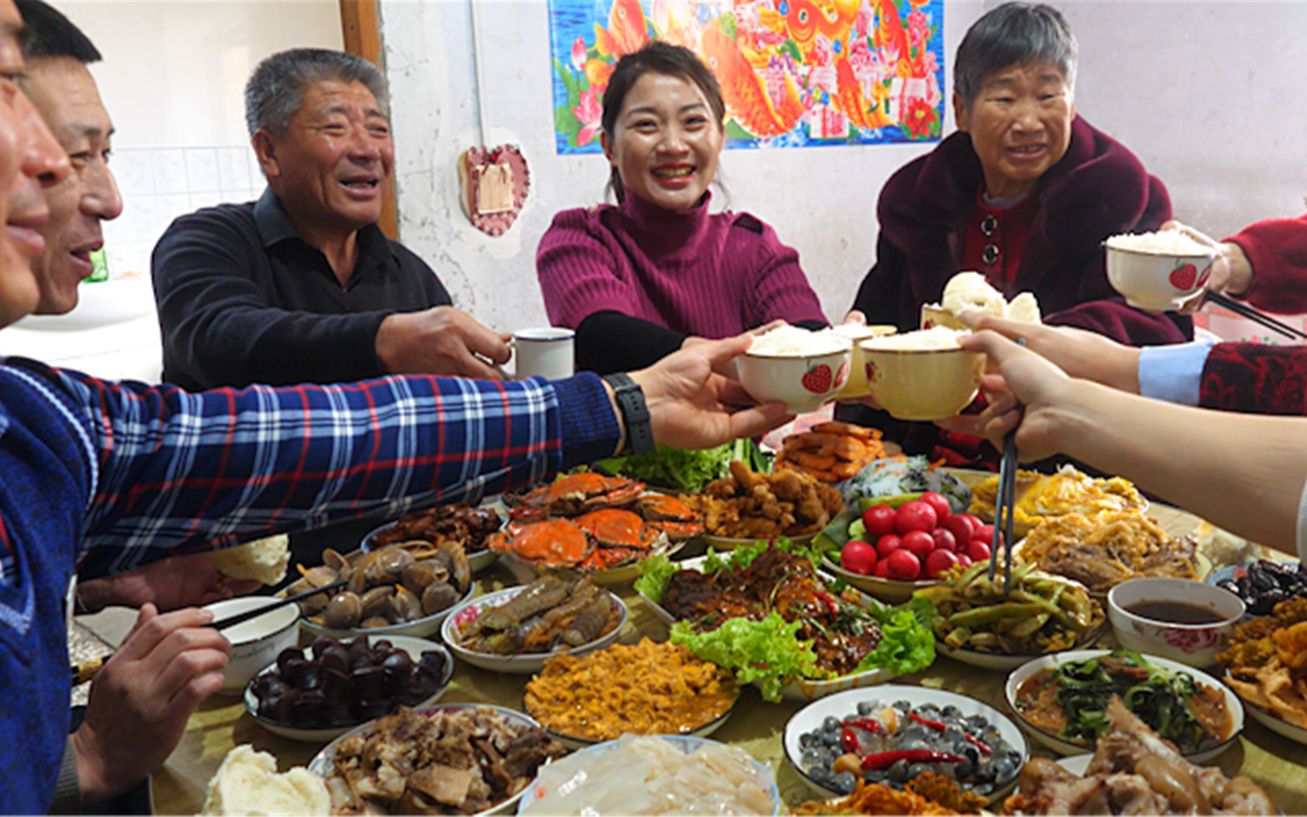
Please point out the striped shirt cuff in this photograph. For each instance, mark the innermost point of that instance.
(1173, 373)
(587, 422)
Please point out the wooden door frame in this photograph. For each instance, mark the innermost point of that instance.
(360, 22)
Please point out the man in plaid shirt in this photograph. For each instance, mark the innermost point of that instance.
(112, 476)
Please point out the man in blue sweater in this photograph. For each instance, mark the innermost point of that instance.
(113, 476)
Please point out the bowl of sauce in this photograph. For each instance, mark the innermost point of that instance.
(1186, 621)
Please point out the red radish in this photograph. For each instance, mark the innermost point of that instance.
(879, 520)
(858, 557)
(937, 501)
(961, 525)
(882, 569)
(915, 515)
(903, 565)
(887, 544)
(963, 559)
(944, 540)
(978, 550)
(919, 543)
(985, 533)
(939, 561)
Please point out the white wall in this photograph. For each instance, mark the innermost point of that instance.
(821, 200)
(1208, 94)
(172, 78)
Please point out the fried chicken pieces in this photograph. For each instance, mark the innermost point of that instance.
(1134, 772)
(749, 505)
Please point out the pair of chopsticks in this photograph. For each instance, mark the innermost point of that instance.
(85, 671)
(1255, 315)
(1005, 507)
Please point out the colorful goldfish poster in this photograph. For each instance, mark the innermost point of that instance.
(792, 72)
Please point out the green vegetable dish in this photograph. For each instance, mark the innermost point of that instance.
(765, 613)
(1071, 701)
(688, 471)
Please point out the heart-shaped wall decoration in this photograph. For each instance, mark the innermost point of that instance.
(494, 182)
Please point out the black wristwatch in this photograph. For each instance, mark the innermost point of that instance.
(635, 414)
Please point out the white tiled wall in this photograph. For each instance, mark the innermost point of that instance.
(158, 184)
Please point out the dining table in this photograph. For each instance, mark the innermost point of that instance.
(222, 722)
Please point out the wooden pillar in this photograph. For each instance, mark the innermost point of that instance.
(360, 22)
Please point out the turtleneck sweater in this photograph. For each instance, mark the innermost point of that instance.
(711, 275)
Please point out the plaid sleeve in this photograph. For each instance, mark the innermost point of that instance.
(177, 469)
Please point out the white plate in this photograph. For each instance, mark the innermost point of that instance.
(1065, 747)
(321, 764)
(318, 734)
(478, 561)
(803, 689)
(845, 705)
(518, 664)
(581, 743)
(685, 743)
(418, 628)
(989, 660)
(1273, 722)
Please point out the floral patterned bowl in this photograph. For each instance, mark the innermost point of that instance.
(1192, 644)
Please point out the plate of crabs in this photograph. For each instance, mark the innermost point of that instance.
(603, 526)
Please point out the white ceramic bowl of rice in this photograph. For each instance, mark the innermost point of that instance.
(923, 375)
(1158, 271)
(796, 367)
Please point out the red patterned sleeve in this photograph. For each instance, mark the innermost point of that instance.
(1256, 378)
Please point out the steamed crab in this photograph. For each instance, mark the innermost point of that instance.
(602, 538)
(575, 494)
(390, 585)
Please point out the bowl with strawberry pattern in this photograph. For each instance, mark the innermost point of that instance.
(794, 366)
(1159, 271)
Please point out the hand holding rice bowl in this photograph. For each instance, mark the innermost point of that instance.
(796, 367)
(923, 375)
(254, 643)
(1158, 271)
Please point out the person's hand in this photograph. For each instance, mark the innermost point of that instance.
(1232, 272)
(142, 698)
(169, 584)
(855, 316)
(442, 340)
(691, 406)
(1026, 394)
(1077, 352)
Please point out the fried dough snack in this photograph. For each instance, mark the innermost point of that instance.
(646, 689)
(1041, 496)
(831, 451)
(1106, 549)
(1267, 661)
(749, 505)
(927, 794)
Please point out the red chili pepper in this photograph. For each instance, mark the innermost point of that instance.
(872, 725)
(940, 726)
(828, 601)
(849, 741)
(976, 742)
(883, 760)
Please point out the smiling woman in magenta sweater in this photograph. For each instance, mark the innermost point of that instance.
(639, 280)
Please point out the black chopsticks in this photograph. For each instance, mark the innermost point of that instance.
(85, 671)
(1255, 315)
(1004, 502)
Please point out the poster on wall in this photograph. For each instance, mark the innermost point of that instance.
(793, 73)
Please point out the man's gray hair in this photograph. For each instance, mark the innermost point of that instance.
(275, 91)
(1013, 34)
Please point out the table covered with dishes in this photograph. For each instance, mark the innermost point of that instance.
(788, 628)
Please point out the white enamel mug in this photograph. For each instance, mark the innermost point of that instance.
(547, 351)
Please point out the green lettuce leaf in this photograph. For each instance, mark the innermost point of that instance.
(654, 573)
(767, 651)
(907, 643)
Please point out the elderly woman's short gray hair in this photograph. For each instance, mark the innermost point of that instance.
(1013, 34)
(276, 89)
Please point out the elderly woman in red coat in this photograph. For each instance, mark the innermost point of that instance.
(1024, 192)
